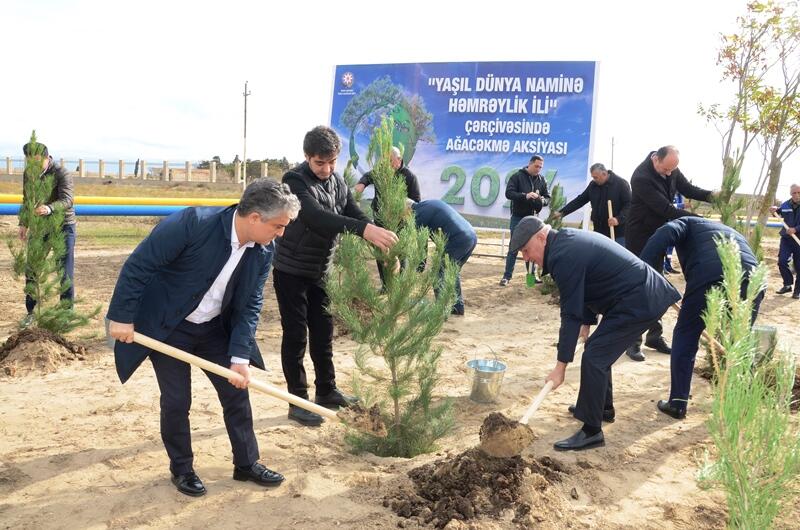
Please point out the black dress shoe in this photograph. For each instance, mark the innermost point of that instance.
(305, 417)
(796, 296)
(335, 399)
(785, 289)
(659, 345)
(189, 484)
(579, 441)
(665, 407)
(635, 354)
(608, 414)
(259, 474)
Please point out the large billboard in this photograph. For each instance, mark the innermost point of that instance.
(466, 127)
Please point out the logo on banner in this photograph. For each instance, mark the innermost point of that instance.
(347, 79)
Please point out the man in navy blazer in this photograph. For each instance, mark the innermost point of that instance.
(694, 239)
(196, 283)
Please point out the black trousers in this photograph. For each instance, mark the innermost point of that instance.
(305, 321)
(654, 332)
(208, 341)
(602, 350)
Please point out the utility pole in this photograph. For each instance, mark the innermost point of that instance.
(244, 150)
(612, 153)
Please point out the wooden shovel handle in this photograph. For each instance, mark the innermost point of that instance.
(796, 240)
(611, 215)
(536, 402)
(221, 371)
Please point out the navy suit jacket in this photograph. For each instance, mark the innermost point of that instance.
(165, 278)
(694, 239)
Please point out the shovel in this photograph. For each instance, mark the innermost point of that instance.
(355, 417)
(502, 437)
(611, 216)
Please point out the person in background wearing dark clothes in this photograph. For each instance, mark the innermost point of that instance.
(653, 186)
(61, 198)
(594, 276)
(303, 258)
(412, 189)
(197, 283)
(527, 191)
(789, 211)
(461, 237)
(605, 186)
(694, 239)
(668, 269)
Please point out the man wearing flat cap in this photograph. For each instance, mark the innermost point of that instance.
(595, 276)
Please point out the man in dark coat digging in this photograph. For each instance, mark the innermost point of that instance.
(653, 186)
(694, 239)
(594, 276)
(196, 283)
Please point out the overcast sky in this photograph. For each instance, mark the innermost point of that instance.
(164, 80)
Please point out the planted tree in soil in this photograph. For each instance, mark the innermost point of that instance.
(39, 259)
(757, 443)
(557, 201)
(395, 324)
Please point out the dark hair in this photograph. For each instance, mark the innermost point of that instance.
(597, 167)
(35, 148)
(662, 152)
(269, 199)
(322, 141)
(534, 158)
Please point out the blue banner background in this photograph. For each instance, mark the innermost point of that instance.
(448, 93)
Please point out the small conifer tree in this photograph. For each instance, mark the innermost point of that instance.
(557, 201)
(395, 324)
(39, 259)
(757, 442)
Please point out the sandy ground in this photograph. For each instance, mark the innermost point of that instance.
(80, 450)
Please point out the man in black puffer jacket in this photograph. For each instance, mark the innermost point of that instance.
(527, 191)
(694, 239)
(327, 209)
(653, 187)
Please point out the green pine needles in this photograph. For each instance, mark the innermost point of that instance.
(395, 324)
(757, 442)
(39, 259)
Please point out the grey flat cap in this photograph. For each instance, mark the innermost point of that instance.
(524, 232)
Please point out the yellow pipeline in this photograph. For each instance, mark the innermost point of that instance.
(10, 198)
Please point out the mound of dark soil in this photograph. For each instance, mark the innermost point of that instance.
(37, 350)
(473, 484)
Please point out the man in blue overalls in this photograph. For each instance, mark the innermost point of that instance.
(789, 211)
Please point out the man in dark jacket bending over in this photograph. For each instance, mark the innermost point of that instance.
(605, 186)
(461, 237)
(301, 262)
(694, 242)
(594, 276)
(653, 186)
(527, 191)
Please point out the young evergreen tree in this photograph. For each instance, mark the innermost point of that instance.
(757, 442)
(395, 324)
(557, 201)
(39, 259)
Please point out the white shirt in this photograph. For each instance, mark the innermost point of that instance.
(211, 304)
